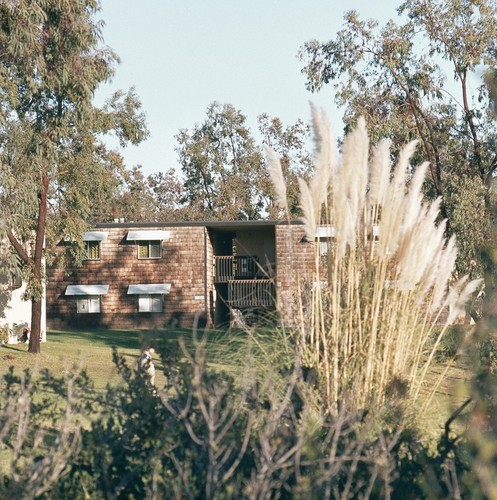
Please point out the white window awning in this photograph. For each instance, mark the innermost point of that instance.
(325, 232)
(159, 288)
(95, 236)
(87, 289)
(148, 235)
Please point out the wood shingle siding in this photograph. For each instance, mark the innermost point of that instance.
(259, 264)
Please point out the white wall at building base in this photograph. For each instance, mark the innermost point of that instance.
(18, 312)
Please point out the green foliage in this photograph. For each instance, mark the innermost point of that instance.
(487, 351)
(289, 144)
(206, 435)
(4, 334)
(54, 167)
(405, 93)
(220, 161)
(224, 170)
(452, 343)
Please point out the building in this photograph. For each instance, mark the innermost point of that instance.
(146, 275)
(16, 312)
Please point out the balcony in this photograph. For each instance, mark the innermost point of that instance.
(229, 267)
(251, 293)
(247, 283)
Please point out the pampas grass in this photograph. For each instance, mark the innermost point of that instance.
(387, 278)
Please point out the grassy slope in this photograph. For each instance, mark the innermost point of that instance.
(92, 350)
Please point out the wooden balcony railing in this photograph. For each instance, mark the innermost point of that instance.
(229, 267)
(223, 268)
(251, 293)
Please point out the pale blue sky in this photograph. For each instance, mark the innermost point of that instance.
(181, 55)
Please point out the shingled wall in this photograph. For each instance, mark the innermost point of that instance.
(294, 267)
(183, 265)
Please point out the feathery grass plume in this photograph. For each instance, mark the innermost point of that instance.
(372, 318)
(324, 158)
(308, 210)
(379, 172)
(277, 179)
(350, 193)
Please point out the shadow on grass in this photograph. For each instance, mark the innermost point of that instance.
(15, 347)
(122, 339)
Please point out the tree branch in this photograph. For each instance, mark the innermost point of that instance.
(18, 247)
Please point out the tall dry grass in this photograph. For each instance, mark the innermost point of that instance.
(369, 327)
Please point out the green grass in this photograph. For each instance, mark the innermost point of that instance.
(91, 350)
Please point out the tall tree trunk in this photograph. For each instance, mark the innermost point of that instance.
(36, 301)
(34, 339)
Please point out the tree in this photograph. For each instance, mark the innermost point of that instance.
(290, 145)
(221, 163)
(53, 164)
(166, 191)
(225, 170)
(131, 200)
(398, 78)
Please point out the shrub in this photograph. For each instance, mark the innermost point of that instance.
(205, 436)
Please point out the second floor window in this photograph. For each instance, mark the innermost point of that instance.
(92, 250)
(149, 249)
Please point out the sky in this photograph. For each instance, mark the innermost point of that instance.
(182, 55)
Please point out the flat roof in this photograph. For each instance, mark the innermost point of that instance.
(218, 224)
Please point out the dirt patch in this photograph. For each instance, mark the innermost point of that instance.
(8, 356)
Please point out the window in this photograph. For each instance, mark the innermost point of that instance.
(88, 304)
(87, 297)
(324, 236)
(150, 303)
(92, 241)
(149, 249)
(324, 246)
(150, 295)
(92, 250)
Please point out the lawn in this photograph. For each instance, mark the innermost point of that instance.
(65, 350)
(92, 350)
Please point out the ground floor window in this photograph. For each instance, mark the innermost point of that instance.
(150, 303)
(88, 304)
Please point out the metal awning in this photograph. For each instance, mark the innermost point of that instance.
(95, 236)
(87, 289)
(148, 235)
(325, 232)
(159, 288)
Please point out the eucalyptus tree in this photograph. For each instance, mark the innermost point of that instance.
(419, 79)
(290, 143)
(166, 189)
(224, 165)
(221, 164)
(54, 166)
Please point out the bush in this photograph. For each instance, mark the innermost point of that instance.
(204, 435)
(487, 351)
